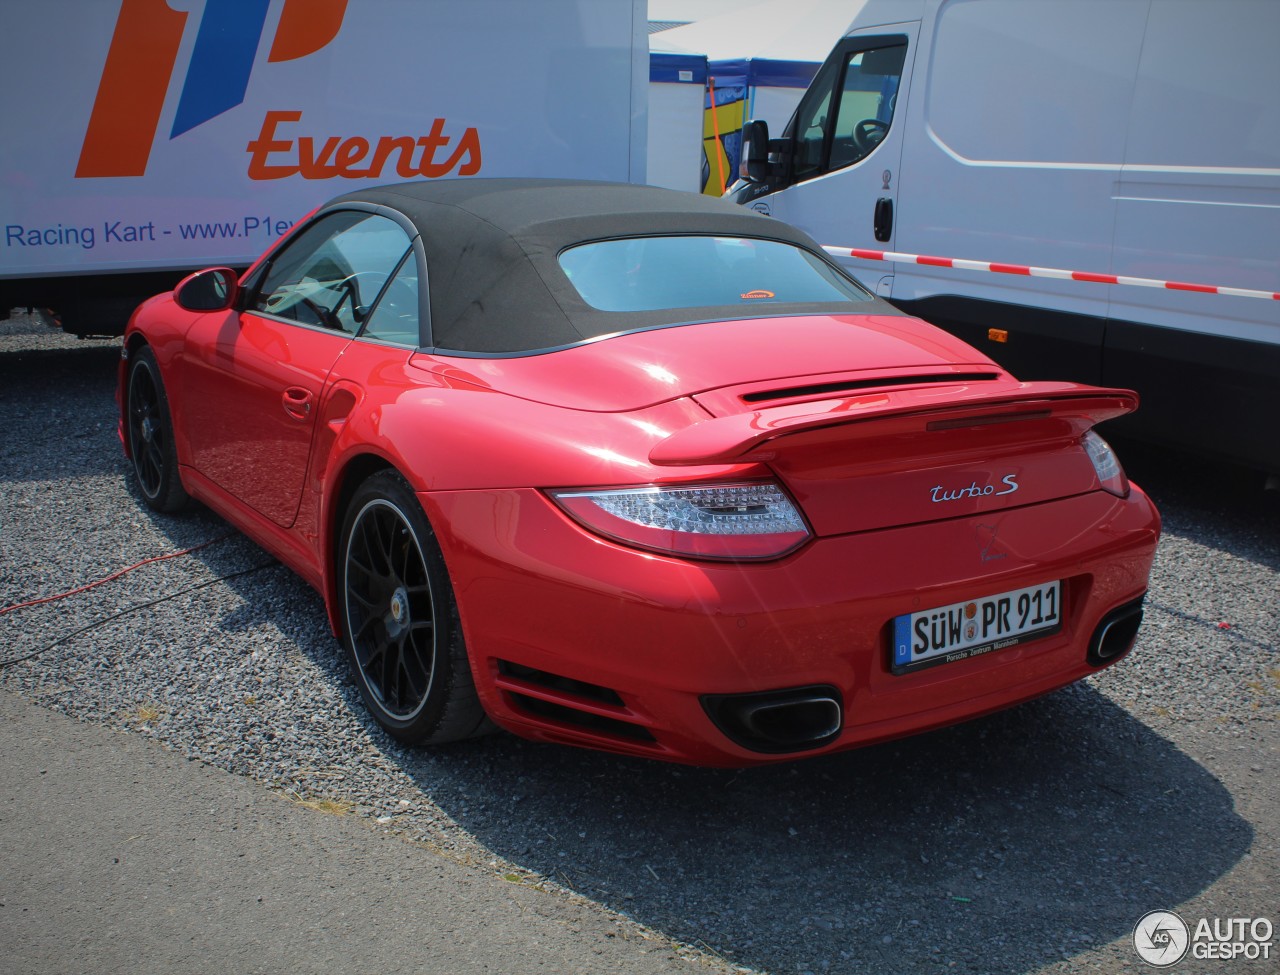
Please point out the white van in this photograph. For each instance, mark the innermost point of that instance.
(1126, 137)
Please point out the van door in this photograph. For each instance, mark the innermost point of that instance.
(842, 174)
(1012, 145)
(1198, 200)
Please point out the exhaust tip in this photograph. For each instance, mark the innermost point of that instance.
(789, 720)
(1115, 634)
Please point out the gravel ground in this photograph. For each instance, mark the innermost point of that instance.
(1031, 840)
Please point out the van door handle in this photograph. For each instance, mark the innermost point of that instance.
(882, 223)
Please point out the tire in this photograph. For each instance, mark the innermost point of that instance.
(149, 427)
(400, 621)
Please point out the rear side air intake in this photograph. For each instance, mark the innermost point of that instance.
(571, 702)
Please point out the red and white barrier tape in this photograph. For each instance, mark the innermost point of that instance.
(1046, 272)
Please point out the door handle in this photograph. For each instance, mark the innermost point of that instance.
(297, 402)
(882, 222)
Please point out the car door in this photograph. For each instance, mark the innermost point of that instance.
(253, 378)
(846, 145)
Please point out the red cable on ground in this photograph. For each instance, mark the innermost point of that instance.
(114, 575)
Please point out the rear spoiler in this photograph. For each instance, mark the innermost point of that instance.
(752, 436)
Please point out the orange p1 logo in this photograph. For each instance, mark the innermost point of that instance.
(138, 72)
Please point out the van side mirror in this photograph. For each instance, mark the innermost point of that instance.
(754, 167)
(214, 289)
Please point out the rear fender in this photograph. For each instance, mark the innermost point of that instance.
(444, 439)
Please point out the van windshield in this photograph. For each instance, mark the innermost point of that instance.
(657, 273)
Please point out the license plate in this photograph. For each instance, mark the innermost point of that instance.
(974, 627)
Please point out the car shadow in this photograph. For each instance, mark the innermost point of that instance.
(1011, 842)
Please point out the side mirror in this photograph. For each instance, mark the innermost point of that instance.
(754, 167)
(214, 289)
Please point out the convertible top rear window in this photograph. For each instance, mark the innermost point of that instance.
(651, 273)
(497, 284)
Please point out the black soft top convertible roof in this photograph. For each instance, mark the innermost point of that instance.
(492, 245)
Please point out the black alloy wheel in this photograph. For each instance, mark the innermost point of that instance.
(150, 432)
(400, 618)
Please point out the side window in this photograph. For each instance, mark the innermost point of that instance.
(863, 85)
(395, 317)
(332, 272)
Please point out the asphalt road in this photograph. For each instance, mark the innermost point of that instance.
(1029, 841)
(118, 855)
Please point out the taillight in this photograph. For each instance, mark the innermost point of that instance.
(750, 520)
(1107, 465)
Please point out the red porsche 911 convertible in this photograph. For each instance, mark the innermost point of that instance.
(637, 470)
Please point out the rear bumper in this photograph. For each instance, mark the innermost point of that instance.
(579, 640)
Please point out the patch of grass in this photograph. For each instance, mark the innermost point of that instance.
(333, 807)
(146, 713)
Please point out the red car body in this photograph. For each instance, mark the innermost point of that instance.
(926, 477)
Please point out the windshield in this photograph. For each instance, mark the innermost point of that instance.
(656, 273)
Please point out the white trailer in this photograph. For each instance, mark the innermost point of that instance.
(1111, 138)
(144, 138)
(677, 89)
